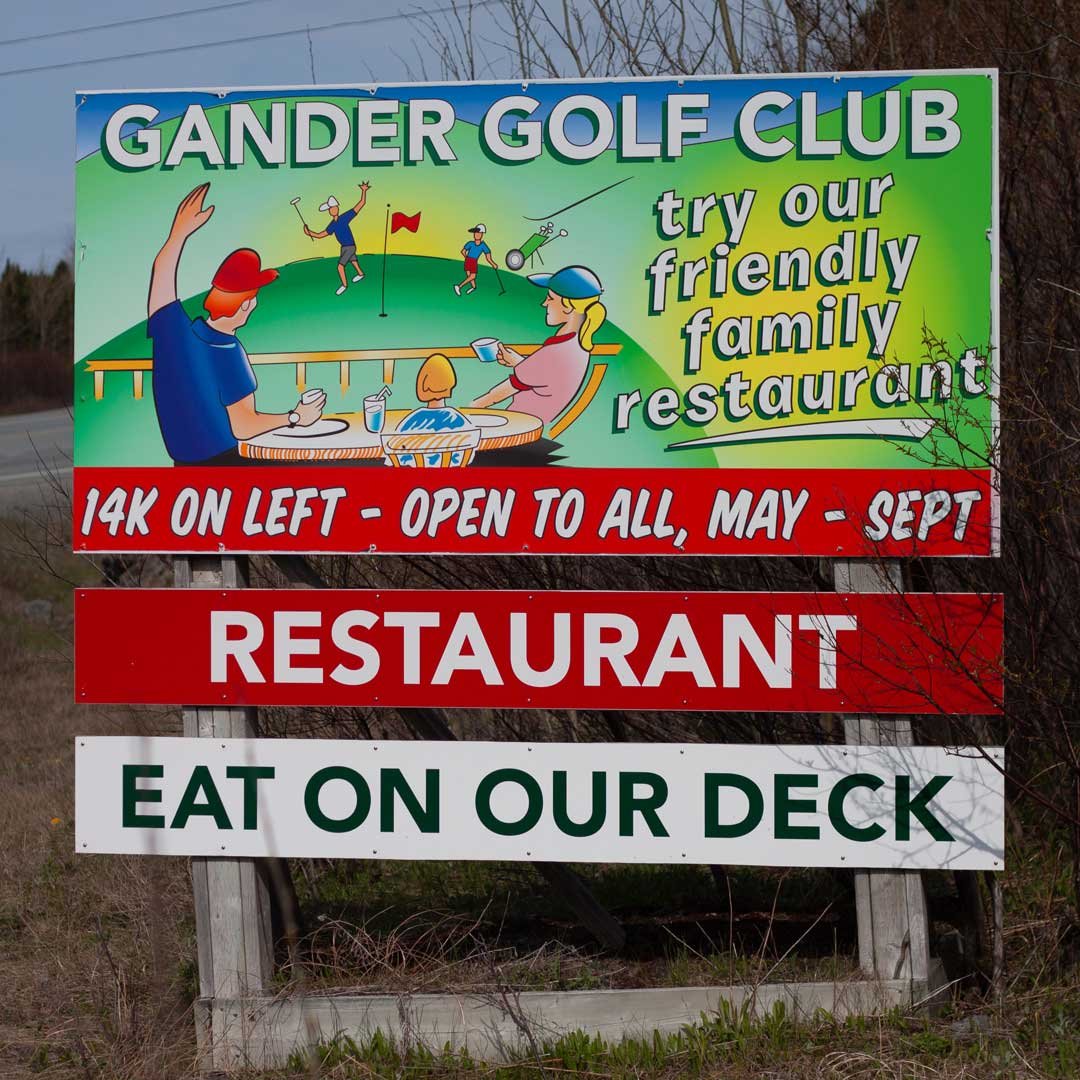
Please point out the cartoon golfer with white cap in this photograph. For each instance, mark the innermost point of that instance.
(338, 227)
(544, 383)
(471, 252)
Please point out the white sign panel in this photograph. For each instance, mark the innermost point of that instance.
(885, 807)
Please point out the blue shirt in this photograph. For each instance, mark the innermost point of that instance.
(426, 418)
(339, 227)
(198, 372)
(473, 250)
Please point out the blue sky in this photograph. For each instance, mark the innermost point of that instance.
(37, 152)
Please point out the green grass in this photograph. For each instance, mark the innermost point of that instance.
(716, 1040)
(729, 1044)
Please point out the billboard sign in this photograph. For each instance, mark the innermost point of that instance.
(743, 652)
(723, 315)
(885, 807)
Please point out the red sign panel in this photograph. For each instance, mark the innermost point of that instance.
(746, 652)
(819, 512)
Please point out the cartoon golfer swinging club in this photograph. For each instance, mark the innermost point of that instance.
(338, 227)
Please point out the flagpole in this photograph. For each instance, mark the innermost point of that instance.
(385, 243)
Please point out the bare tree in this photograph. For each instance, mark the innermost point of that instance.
(1038, 53)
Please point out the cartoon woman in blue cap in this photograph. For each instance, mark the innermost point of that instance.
(545, 382)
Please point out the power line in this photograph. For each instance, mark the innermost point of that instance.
(138, 20)
(446, 9)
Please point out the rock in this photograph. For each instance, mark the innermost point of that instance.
(38, 610)
(976, 1024)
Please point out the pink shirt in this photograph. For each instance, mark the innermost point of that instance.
(547, 380)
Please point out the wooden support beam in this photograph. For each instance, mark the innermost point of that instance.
(265, 1032)
(345, 372)
(137, 384)
(997, 902)
(890, 905)
(232, 896)
(388, 370)
(301, 376)
(99, 385)
(572, 891)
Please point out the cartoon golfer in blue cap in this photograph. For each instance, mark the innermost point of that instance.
(545, 382)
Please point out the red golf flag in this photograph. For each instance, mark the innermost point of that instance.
(404, 221)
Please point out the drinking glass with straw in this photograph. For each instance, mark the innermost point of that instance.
(375, 410)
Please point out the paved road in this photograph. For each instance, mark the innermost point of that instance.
(31, 445)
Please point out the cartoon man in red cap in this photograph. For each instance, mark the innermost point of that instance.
(204, 388)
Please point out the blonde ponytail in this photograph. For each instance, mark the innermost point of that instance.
(595, 313)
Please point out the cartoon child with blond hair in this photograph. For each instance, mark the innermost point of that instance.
(434, 383)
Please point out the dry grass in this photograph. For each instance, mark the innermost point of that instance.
(92, 947)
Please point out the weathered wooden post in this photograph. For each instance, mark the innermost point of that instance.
(890, 905)
(232, 896)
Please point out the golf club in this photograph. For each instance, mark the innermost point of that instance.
(570, 206)
(296, 206)
(498, 278)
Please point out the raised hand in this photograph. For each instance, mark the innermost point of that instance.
(190, 214)
(364, 186)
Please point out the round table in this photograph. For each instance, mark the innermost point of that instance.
(500, 429)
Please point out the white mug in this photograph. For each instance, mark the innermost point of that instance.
(487, 348)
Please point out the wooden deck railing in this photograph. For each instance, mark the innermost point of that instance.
(343, 358)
